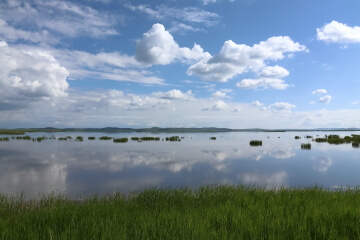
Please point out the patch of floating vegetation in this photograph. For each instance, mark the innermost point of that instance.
(297, 137)
(79, 138)
(212, 138)
(105, 138)
(336, 139)
(306, 146)
(255, 143)
(4, 139)
(22, 138)
(173, 139)
(309, 136)
(120, 140)
(62, 138)
(149, 139)
(91, 138)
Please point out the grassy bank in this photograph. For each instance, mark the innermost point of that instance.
(225, 212)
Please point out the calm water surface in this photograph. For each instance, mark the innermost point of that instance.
(81, 169)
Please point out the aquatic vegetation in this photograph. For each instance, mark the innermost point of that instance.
(212, 138)
(320, 140)
(306, 146)
(309, 137)
(105, 138)
(91, 138)
(297, 137)
(4, 139)
(79, 138)
(62, 138)
(22, 137)
(173, 139)
(135, 138)
(255, 143)
(218, 212)
(150, 139)
(120, 140)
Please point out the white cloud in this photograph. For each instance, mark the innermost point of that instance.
(218, 105)
(257, 104)
(235, 59)
(325, 99)
(264, 83)
(218, 94)
(282, 106)
(319, 91)
(29, 76)
(273, 72)
(11, 34)
(325, 163)
(268, 77)
(191, 15)
(237, 109)
(159, 47)
(336, 32)
(174, 94)
(277, 179)
(67, 18)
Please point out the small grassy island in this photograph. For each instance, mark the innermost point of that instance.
(216, 212)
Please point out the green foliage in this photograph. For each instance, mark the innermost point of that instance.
(120, 140)
(297, 137)
(173, 139)
(79, 138)
(4, 139)
(135, 138)
(91, 138)
(226, 212)
(105, 138)
(212, 138)
(150, 139)
(62, 138)
(23, 138)
(320, 140)
(309, 136)
(255, 143)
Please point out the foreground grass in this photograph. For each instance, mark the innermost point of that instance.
(227, 212)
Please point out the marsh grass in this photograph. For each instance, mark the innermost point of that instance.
(255, 143)
(215, 212)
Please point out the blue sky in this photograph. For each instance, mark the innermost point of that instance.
(180, 63)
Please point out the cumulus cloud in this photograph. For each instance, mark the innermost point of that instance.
(319, 91)
(257, 104)
(336, 32)
(325, 99)
(282, 106)
(158, 46)
(267, 77)
(218, 94)
(218, 105)
(29, 76)
(174, 94)
(274, 72)
(234, 59)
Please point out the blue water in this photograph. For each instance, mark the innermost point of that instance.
(80, 169)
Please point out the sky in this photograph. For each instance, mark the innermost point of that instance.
(180, 63)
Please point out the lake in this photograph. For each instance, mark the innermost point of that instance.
(80, 169)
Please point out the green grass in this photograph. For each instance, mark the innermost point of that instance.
(226, 212)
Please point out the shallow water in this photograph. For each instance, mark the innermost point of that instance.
(80, 169)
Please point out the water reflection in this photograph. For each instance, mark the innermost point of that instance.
(89, 167)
